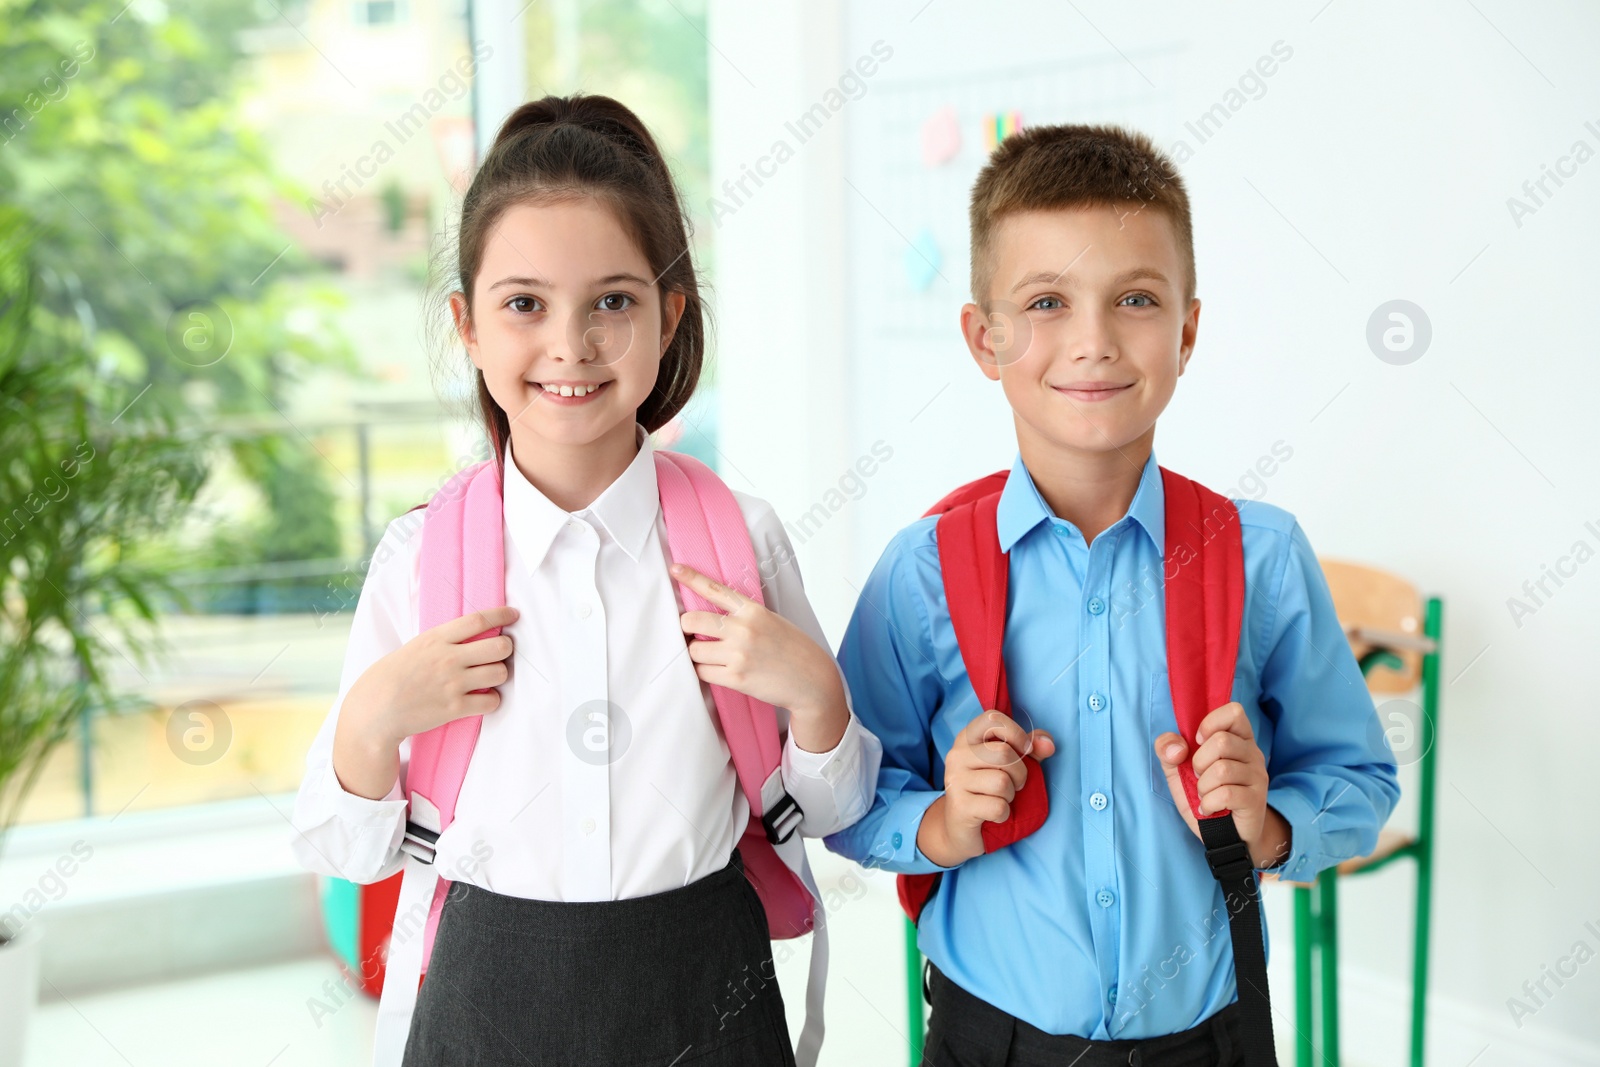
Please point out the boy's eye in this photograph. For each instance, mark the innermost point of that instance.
(1045, 303)
(614, 302)
(523, 304)
(1150, 301)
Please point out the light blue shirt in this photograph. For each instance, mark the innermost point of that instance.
(1106, 922)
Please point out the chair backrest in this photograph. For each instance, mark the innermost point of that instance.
(1368, 599)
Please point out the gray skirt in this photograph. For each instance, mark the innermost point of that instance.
(679, 978)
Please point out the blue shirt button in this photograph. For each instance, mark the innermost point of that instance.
(1105, 898)
(1096, 605)
(1061, 531)
(897, 839)
(1097, 801)
(1097, 702)
(1112, 993)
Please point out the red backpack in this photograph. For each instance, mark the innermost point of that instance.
(1204, 572)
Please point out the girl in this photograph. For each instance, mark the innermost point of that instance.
(598, 910)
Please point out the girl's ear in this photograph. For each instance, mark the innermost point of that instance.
(461, 315)
(671, 314)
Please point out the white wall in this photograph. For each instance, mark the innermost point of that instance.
(1377, 164)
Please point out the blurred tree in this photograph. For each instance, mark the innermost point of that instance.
(79, 491)
(120, 137)
(651, 55)
(394, 206)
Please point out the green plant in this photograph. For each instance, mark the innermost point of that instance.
(84, 476)
(394, 206)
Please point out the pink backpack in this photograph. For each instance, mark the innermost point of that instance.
(706, 531)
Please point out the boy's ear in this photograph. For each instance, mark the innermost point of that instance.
(1191, 329)
(461, 316)
(980, 340)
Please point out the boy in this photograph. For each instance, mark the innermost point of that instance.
(1095, 938)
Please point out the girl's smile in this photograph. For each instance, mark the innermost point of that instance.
(569, 393)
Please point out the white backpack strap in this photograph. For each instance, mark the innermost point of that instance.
(404, 962)
(792, 851)
(408, 936)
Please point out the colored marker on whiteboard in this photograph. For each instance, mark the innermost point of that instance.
(941, 137)
(998, 126)
(921, 259)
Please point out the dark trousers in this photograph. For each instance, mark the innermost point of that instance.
(682, 978)
(965, 1031)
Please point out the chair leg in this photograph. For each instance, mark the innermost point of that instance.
(1419, 965)
(915, 1024)
(1328, 937)
(1305, 937)
(1432, 626)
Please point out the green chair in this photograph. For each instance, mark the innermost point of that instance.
(1380, 615)
(916, 1018)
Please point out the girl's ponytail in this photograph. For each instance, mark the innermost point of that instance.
(570, 146)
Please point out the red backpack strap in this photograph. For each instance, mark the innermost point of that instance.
(989, 484)
(975, 573)
(1205, 607)
(1204, 567)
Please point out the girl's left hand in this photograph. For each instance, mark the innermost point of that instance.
(758, 652)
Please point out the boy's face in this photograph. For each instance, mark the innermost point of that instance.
(1085, 325)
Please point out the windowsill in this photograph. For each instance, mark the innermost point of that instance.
(143, 852)
(157, 895)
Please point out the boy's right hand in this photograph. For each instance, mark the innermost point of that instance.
(430, 680)
(982, 773)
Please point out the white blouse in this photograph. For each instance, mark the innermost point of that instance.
(603, 774)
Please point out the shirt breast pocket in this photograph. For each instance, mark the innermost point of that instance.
(1160, 718)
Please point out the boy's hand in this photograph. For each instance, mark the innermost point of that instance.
(763, 655)
(1230, 772)
(982, 773)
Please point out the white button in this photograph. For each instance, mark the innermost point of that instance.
(582, 610)
(587, 825)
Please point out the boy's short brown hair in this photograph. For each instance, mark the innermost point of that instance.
(1069, 166)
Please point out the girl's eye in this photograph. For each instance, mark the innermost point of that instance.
(1045, 303)
(1151, 301)
(614, 302)
(523, 304)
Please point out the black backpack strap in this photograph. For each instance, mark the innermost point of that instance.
(1234, 870)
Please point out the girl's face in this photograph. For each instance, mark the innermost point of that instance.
(567, 322)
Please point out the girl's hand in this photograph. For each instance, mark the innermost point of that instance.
(1230, 772)
(431, 679)
(763, 655)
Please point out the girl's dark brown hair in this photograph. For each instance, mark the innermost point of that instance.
(566, 147)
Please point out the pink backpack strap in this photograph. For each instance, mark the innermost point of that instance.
(454, 582)
(706, 531)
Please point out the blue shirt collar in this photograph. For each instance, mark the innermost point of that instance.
(1022, 508)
